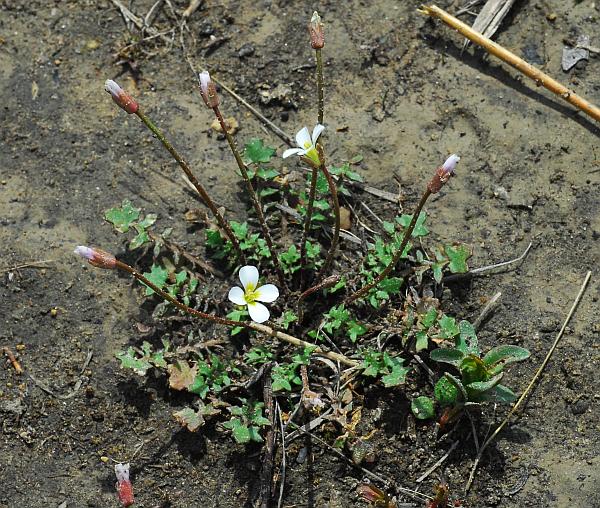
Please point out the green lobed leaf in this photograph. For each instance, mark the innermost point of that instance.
(130, 360)
(422, 408)
(256, 151)
(122, 217)
(458, 255)
(158, 275)
(422, 341)
(420, 229)
(240, 432)
(397, 376)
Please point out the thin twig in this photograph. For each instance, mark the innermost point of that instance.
(540, 78)
(531, 383)
(283, 455)
(486, 310)
(29, 264)
(14, 362)
(266, 475)
(438, 463)
(487, 268)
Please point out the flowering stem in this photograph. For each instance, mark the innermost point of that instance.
(319, 59)
(407, 234)
(336, 211)
(194, 181)
(230, 322)
(307, 221)
(252, 193)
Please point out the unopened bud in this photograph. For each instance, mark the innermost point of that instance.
(316, 31)
(122, 98)
(97, 257)
(124, 487)
(443, 174)
(208, 91)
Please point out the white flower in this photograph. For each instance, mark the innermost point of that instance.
(450, 165)
(307, 144)
(251, 294)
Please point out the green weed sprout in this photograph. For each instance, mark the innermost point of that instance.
(478, 377)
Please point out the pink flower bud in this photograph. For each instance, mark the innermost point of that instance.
(97, 257)
(316, 31)
(208, 91)
(443, 174)
(124, 487)
(121, 97)
(450, 165)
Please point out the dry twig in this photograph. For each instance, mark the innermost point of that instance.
(540, 78)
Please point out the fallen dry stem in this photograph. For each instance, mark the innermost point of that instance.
(532, 382)
(14, 362)
(540, 78)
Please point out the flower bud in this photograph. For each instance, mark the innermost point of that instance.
(124, 487)
(316, 31)
(121, 97)
(208, 91)
(97, 257)
(443, 174)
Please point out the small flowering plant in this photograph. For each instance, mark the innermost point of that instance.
(358, 296)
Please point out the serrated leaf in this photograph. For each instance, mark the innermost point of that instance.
(123, 217)
(458, 255)
(267, 173)
(148, 221)
(140, 239)
(189, 419)
(240, 432)
(422, 408)
(130, 360)
(448, 327)
(181, 375)
(355, 330)
(256, 151)
(396, 377)
(158, 275)
(420, 229)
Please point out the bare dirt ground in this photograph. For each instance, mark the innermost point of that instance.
(401, 93)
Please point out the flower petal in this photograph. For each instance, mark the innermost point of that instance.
(317, 132)
(293, 151)
(249, 277)
(303, 137)
(236, 295)
(258, 312)
(267, 293)
(450, 164)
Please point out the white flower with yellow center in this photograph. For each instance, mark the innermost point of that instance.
(307, 144)
(252, 294)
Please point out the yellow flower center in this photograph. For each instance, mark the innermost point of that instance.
(313, 155)
(250, 294)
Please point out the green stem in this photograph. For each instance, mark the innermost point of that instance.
(253, 195)
(407, 234)
(194, 181)
(320, 83)
(290, 339)
(307, 221)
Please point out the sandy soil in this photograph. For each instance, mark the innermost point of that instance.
(399, 92)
